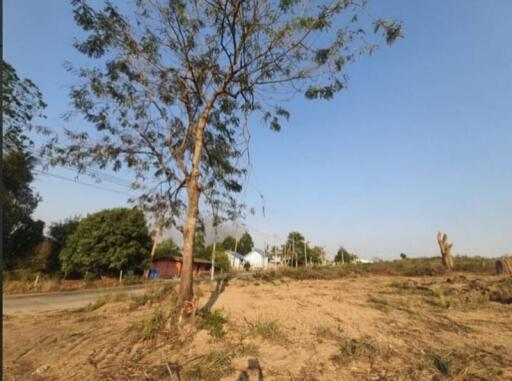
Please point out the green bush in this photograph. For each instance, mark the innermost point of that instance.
(89, 277)
(211, 321)
(131, 279)
(106, 242)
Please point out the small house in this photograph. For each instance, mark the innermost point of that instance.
(258, 258)
(236, 260)
(169, 266)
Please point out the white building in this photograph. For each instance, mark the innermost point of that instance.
(258, 259)
(236, 260)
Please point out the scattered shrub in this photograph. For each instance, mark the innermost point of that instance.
(89, 277)
(152, 325)
(442, 363)
(268, 330)
(212, 367)
(211, 321)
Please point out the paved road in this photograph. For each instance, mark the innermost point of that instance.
(29, 303)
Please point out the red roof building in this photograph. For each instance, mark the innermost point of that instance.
(170, 266)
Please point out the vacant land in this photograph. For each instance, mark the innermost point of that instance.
(362, 327)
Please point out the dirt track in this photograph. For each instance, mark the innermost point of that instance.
(357, 328)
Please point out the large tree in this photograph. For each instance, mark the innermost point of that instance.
(58, 233)
(245, 244)
(22, 105)
(177, 80)
(108, 241)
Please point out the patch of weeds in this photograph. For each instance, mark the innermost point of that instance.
(137, 301)
(102, 300)
(213, 322)
(380, 304)
(267, 276)
(267, 330)
(212, 367)
(410, 288)
(505, 282)
(442, 363)
(247, 349)
(131, 279)
(323, 332)
(174, 310)
(152, 325)
(89, 278)
(351, 349)
(198, 292)
(440, 299)
(155, 293)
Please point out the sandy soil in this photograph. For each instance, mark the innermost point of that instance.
(355, 328)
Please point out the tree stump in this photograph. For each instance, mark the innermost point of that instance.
(446, 250)
(504, 265)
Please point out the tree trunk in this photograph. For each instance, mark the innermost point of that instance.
(446, 250)
(193, 192)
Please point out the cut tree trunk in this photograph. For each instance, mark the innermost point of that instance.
(446, 250)
(504, 265)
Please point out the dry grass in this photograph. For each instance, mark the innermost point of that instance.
(365, 327)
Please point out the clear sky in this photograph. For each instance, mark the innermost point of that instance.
(421, 140)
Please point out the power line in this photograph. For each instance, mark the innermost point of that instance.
(88, 171)
(81, 183)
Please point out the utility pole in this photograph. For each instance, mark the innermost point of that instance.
(156, 238)
(294, 253)
(305, 255)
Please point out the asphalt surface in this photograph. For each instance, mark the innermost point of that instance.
(31, 303)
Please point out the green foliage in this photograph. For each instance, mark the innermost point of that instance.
(131, 279)
(20, 232)
(200, 251)
(190, 73)
(297, 242)
(222, 261)
(212, 321)
(403, 256)
(247, 266)
(316, 255)
(245, 244)
(89, 277)
(229, 243)
(267, 329)
(152, 325)
(106, 242)
(58, 233)
(167, 247)
(215, 366)
(22, 105)
(343, 256)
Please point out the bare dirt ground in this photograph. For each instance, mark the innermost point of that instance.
(353, 328)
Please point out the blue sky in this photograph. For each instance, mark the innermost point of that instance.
(421, 140)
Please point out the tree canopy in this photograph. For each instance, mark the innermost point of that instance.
(168, 247)
(108, 241)
(229, 243)
(22, 104)
(245, 244)
(344, 256)
(58, 233)
(176, 81)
